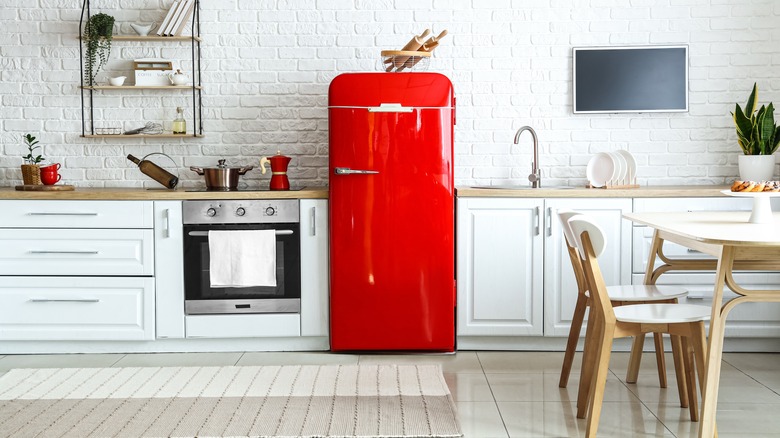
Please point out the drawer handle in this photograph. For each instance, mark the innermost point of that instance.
(63, 252)
(64, 300)
(61, 214)
(693, 251)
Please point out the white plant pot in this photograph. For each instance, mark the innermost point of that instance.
(756, 167)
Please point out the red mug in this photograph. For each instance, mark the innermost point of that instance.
(49, 175)
(51, 168)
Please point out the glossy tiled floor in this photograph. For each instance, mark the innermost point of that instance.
(516, 394)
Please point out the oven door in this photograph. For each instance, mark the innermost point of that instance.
(201, 298)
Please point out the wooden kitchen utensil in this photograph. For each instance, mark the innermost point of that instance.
(413, 45)
(427, 47)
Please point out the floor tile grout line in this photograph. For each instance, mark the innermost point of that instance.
(750, 377)
(642, 402)
(492, 394)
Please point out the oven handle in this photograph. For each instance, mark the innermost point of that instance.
(206, 233)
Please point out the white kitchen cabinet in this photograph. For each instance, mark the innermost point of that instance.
(499, 266)
(560, 286)
(514, 274)
(76, 308)
(314, 267)
(169, 269)
(753, 320)
(77, 270)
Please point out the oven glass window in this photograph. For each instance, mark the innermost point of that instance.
(197, 282)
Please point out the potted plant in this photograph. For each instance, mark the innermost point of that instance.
(31, 172)
(759, 138)
(97, 36)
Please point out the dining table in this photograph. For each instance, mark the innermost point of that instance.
(737, 243)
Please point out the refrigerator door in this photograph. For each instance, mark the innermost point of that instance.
(392, 212)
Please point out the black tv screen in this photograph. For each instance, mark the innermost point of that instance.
(630, 79)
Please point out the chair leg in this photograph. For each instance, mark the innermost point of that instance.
(690, 374)
(574, 335)
(660, 359)
(635, 359)
(599, 383)
(679, 370)
(699, 341)
(589, 356)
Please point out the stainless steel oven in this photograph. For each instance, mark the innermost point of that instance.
(200, 217)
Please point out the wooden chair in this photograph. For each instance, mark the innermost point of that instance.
(607, 322)
(619, 295)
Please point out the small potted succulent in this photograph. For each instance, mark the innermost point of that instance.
(759, 138)
(31, 172)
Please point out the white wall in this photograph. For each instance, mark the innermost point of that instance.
(267, 65)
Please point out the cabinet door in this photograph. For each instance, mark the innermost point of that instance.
(560, 287)
(314, 267)
(499, 266)
(169, 269)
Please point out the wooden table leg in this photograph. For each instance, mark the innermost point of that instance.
(709, 404)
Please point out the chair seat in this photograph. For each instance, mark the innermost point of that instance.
(662, 313)
(640, 292)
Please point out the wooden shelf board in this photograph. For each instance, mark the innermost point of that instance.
(154, 38)
(142, 136)
(142, 87)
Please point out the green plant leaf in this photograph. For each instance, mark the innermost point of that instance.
(750, 108)
(775, 139)
(742, 122)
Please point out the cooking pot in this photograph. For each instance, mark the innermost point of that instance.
(221, 177)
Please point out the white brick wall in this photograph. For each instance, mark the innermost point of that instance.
(267, 65)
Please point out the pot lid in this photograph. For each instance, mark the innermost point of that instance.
(221, 165)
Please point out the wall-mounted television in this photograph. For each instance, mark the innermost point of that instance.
(630, 79)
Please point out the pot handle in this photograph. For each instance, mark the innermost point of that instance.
(199, 170)
(244, 170)
(263, 162)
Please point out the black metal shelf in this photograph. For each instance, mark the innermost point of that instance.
(87, 90)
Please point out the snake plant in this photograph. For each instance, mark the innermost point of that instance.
(757, 132)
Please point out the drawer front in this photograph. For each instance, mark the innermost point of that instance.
(76, 308)
(76, 252)
(76, 214)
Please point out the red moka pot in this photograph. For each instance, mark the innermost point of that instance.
(279, 164)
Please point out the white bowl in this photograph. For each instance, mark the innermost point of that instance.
(600, 169)
(117, 81)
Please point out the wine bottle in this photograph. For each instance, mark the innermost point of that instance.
(155, 172)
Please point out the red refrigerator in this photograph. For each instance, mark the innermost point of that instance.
(392, 261)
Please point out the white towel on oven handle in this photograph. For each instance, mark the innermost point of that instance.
(242, 258)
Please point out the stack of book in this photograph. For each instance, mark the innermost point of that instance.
(177, 17)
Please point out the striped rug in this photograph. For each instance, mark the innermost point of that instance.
(246, 401)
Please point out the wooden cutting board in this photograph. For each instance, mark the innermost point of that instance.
(45, 188)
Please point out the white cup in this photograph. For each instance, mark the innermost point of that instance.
(117, 81)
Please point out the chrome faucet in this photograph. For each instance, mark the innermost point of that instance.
(536, 176)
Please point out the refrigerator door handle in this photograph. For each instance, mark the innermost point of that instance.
(389, 108)
(348, 171)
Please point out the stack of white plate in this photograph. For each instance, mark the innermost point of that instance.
(616, 168)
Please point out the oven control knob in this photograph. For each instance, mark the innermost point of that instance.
(270, 211)
(240, 211)
(211, 212)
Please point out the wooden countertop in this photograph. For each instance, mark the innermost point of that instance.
(641, 192)
(121, 194)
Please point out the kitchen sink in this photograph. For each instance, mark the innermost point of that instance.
(523, 187)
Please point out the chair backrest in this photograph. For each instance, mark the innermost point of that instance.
(574, 257)
(591, 243)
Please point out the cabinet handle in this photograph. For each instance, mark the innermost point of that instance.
(61, 214)
(62, 252)
(166, 223)
(691, 250)
(64, 300)
(536, 215)
(548, 221)
(313, 219)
